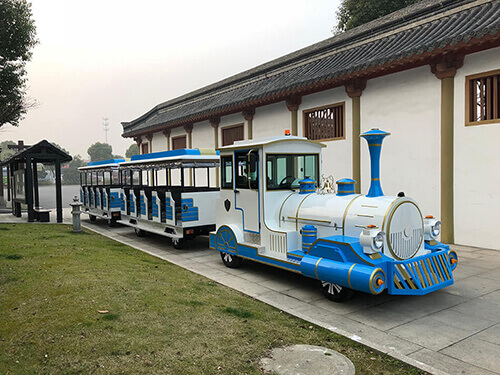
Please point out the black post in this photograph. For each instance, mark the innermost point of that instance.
(1, 181)
(28, 190)
(35, 184)
(8, 182)
(58, 192)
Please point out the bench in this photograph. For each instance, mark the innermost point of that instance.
(41, 214)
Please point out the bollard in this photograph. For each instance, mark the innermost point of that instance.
(77, 227)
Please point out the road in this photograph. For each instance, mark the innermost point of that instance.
(48, 195)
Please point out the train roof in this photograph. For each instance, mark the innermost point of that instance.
(198, 157)
(102, 164)
(267, 141)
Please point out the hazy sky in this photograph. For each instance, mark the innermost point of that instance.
(118, 59)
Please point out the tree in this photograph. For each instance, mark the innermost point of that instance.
(17, 38)
(6, 152)
(71, 175)
(352, 13)
(132, 150)
(100, 151)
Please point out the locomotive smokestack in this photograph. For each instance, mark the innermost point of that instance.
(374, 138)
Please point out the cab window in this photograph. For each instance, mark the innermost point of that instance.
(246, 170)
(284, 171)
(226, 172)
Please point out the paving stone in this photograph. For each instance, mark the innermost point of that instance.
(480, 353)
(276, 285)
(415, 307)
(491, 334)
(472, 287)
(360, 301)
(380, 317)
(281, 301)
(491, 274)
(484, 262)
(358, 332)
(493, 295)
(464, 271)
(448, 364)
(441, 329)
(306, 360)
(256, 277)
(481, 307)
(306, 294)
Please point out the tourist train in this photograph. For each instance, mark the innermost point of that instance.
(270, 209)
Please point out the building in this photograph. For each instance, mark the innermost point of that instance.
(429, 74)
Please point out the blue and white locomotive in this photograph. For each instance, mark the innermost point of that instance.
(270, 211)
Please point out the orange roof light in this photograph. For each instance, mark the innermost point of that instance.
(287, 132)
(429, 217)
(371, 226)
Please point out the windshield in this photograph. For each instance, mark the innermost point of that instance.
(284, 171)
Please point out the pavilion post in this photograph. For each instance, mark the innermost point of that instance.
(58, 192)
(35, 184)
(28, 184)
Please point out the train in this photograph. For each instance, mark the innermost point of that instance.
(272, 207)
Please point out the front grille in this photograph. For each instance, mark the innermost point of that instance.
(405, 247)
(420, 275)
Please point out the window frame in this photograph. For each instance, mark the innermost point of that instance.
(305, 112)
(293, 155)
(223, 169)
(174, 139)
(240, 125)
(468, 98)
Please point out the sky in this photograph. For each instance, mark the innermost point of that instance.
(118, 59)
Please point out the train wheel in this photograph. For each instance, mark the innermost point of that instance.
(230, 260)
(178, 243)
(112, 222)
(335, 292)
(139, 232)
(92, 218)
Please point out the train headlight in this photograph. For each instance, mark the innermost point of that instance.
(372, 239)
(432, 228)
(378, 241)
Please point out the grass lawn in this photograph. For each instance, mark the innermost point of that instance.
(161, 318)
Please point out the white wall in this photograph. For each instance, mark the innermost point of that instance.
(158, 143)
(407, 105)
(271, 120)
(203, 135)
(477, 163)
(337, 156)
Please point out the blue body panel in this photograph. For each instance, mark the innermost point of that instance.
(340, 260)
(189, 211)
(169, 212)
(116, 202)
(154, 205)
(143, 205)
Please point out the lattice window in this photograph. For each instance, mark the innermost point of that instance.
(231, 134)
(179, 142)
(325, 123)
(482, 98)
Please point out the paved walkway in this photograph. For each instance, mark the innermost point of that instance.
(451, 331)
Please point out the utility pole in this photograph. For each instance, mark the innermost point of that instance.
(105, 126)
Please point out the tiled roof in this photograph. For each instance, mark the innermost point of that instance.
(421, 30)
